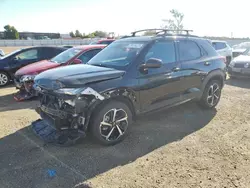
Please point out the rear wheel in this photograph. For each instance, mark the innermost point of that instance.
(211, 94)
(4, 78)
(111, 123)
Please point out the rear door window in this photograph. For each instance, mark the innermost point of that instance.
(189, 50)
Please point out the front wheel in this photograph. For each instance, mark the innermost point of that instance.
(211, 94)
(4, 78)
(111, 123)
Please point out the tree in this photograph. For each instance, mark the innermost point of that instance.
(72, 34)
(176, 22)
(100, 34)
(78, 34)
(10, 32)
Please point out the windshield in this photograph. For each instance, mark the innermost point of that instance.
(117, 54)
(66, 55)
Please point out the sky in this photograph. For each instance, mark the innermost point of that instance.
(205, 17)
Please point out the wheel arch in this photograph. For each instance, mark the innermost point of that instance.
(123, 95)
(214, 75)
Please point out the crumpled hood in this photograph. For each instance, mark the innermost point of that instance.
(36, 68)
(75, 76)
(242, 59)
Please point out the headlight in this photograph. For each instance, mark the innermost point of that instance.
(69, 91)
(27, 78)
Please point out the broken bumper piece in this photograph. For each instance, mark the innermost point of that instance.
(49, 134)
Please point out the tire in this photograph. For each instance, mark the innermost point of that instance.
(102, 128)
(4, 79)
(211, 94)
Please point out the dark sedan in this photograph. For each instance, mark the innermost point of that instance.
(240, 66)
(10, 63)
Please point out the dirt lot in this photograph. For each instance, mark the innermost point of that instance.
(179, 147)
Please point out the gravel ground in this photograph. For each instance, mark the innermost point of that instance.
(179, 147)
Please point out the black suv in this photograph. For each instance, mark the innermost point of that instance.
(132, 75)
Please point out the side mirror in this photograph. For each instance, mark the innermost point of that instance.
(77, 61)
(152, 63)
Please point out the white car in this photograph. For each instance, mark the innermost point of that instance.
(240, 48)
(223, 49)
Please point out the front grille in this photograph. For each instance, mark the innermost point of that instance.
(239, 65)
(54, 112)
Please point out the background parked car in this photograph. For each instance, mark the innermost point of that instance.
(223, 49)
(103, 41)
(240, 66)
(24, 77)
(10, 63)
(240, 48)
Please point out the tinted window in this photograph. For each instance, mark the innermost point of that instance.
(106, 42)
(27, 55)
(162, 50)
(85, 57)
(219, 45)
(189, 50)
(50, 52)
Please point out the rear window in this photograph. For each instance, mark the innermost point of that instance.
(219, 45)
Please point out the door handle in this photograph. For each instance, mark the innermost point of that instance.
(176, 69)
(207, 63)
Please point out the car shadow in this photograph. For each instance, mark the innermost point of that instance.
(239, 82)
(8, 103)
(26, 160)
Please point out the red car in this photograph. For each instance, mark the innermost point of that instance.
(103, 41)
(24, 77)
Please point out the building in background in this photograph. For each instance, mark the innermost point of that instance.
(34, 35)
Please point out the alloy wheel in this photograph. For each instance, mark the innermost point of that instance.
(3, 79)
(114, 124)
(213, 94)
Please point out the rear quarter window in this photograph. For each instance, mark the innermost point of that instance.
(210, 51)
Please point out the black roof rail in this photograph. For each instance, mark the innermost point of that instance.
(165, 31)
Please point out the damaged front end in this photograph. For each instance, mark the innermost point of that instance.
(25, 86)
(65, 114)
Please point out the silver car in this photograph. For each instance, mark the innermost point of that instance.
(240, 66)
